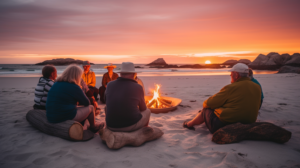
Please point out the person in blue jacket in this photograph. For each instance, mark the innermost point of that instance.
(255, 81)
(65, 95)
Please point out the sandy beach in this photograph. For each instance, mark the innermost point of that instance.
(21, 145)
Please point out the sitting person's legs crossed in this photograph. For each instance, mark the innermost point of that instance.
(143, 122)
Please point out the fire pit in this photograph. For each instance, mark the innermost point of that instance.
(160, 104)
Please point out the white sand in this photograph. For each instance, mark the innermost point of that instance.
(23, 146)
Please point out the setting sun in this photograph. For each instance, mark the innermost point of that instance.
(207, 62)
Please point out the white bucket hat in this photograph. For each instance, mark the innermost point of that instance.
(240, 67)
(110, 65)
(127, 67)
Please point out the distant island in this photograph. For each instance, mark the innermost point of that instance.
(61, 61)
(284, 63)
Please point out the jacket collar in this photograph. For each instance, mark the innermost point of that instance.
(243, 79)
(126, 79)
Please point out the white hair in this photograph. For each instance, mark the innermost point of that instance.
(71, 74)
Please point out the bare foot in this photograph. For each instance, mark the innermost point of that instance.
(97, 127)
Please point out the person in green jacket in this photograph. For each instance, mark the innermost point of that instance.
(236, 102)
(255, 81)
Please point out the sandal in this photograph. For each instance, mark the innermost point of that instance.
(185, 126)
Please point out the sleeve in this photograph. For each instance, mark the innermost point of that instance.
(84, 86)
(93, 81)
(104, 80)
(48, 86)
(80, 96)
(142, 105)
(218, 99)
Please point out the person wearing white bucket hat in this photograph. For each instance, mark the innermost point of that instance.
(236, 102)
(126, 109)
(107, 77)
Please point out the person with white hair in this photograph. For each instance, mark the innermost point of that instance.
(126, 109)
(64, 96)
(236, 102)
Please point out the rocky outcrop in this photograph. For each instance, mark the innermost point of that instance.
(289, 69)
(230, 62)
(233, 62)
(61, 61)
(294, 60)
(244, 61)
(158, 62)
(256, 131)
(191, 66)
(272, 61)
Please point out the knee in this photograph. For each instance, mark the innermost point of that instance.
(91, 108)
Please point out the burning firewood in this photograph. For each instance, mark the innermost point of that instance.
(157, 101)
(151, 103)
(164, 102)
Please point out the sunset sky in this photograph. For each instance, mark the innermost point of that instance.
(185, 31)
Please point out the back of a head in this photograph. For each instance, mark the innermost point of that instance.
(127, 75)
(48, 70)
(71, 74)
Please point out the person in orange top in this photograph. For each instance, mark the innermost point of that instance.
(107, 77)
(236, 102)
(89, 78)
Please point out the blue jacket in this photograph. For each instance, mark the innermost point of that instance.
(62, 101)
(262, 94)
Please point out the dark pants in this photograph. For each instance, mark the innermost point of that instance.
(95, 92)
(39, 107)
(212, 122)
(102, 94)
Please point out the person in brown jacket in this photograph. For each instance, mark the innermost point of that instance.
(236, 102)
(107, 77)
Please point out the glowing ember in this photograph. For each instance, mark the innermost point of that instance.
(157, 101)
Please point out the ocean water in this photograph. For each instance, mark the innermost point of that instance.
(29, 70)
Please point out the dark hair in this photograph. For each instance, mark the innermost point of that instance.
(48, 70)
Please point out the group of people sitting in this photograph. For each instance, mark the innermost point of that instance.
(73, 96)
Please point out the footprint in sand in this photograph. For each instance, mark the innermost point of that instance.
(22, 157)
(59, 153)
(41, 161)
(157, 124)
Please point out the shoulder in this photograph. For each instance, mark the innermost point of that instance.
(92, 72)
(105, 74)
(116, 74)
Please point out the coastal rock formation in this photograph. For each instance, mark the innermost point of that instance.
(230, 62)
(158, 62)
(61, 61)
(289, 69)
(191, 66)
(294, 60)
(245, 61)
(233, 62)
(256, 131)
(272, 61)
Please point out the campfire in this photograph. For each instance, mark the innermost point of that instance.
(157, 101)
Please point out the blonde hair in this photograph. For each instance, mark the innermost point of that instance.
(71, 74)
